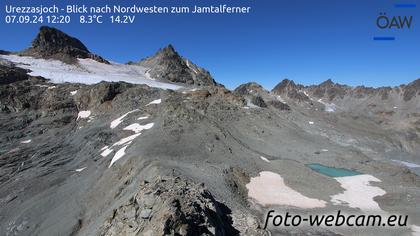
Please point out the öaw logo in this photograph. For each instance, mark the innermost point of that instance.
(387, 22)
(394, 22)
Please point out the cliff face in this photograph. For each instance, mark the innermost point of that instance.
(51, 43)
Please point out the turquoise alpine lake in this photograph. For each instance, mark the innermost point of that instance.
(331, 171)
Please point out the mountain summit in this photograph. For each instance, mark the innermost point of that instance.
(291, 90)
(168, 64)
(53, 43)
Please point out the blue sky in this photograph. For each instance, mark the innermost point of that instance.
(308, 41)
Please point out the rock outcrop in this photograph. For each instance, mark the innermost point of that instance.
(10, 74)
(171, 206)
(260, 97)
(168, 65)
(51, 43)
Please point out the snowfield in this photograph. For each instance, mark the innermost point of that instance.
(269, 189)
(359, 193)
(86, 72)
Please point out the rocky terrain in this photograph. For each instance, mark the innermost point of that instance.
(137, 157)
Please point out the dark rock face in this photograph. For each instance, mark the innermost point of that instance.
(53, 43)
(2, 52)
(252, 92)
(171, 206)
(291, 90)
(10, 74)
(167, 64)
(411, 90)
(258, 101)
(279, 105)
(101, 93)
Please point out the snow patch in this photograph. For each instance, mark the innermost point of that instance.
(407, 164)
(329, 107)
(358, 193)
(311, 122)
(264, 159)
(80, 170)
(87, 71)
(189, 66)
(83, 114)
(119, 120)
(251, 105)
(126, 139)
(157, 101)
(148, 76)
(269, 189)
(415, 230)
(72, 93)
(281, 99)
(26, 141)
(324, 150)
(143, 118)
(120, 153)
(106, 152)
(137, 128)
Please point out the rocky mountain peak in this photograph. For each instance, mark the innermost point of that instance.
(329, 90)
(53, 43)
(327, 83)
(168, 51)
(53, 40)
(286, 85)
(249, 88)
(168, 65)
(291, 90)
